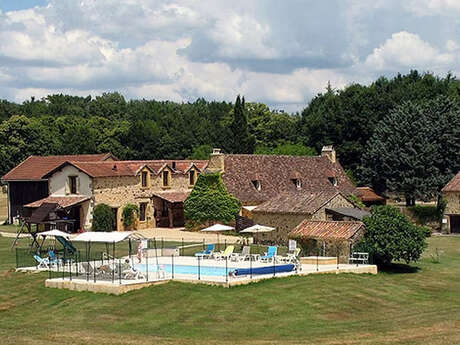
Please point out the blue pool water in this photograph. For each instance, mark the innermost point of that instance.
(185, 269)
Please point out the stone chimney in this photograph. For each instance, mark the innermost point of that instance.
(216, 161)
(329, 152)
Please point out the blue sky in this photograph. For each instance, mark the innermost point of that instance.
(281, 53)
(14, 5)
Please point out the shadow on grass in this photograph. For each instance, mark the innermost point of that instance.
(398, 268)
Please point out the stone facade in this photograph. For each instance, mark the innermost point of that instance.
(121, 190)
(286, 222)
(452, 210)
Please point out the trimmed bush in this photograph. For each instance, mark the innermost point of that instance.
(103, 218)
(129, 214)
(427, 214)
(390, 236)
(210, 201)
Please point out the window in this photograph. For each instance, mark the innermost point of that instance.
(165, 178)
(333, 180)
(297, 183)
(73, 184)
(256, 184)
(142, 211)
(144, 179)
(192, 175)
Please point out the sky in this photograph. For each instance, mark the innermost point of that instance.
(281, 53)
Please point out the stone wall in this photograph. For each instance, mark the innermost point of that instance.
(452, 208)
(285, 222)
(337, 201)
(121, 190)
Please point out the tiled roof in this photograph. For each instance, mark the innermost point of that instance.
(63, 201)
(355, 213)
(326, 230)
(36, 167)
(368, 194)
(453, 185)
(172, 196)
(131, 168)
(276, 173)
(300, 202)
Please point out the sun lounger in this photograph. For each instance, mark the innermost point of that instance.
(270, 255)
(42, 262)
(244, 255)
(291, 257)
(225, 254)
(206, 253)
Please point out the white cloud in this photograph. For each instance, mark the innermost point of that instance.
(406, 50)
(280, 53)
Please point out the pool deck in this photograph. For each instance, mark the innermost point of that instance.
(150, 278)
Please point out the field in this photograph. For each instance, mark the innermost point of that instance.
(415, 305)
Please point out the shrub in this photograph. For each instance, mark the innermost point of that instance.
(357, 201)
(103, 218)
(425, 214)
(210, 201)
(128, 214)
(391, 236)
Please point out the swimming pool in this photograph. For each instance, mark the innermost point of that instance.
(186, 269)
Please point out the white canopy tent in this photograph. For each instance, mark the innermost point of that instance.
(54, 233)
(108, 237)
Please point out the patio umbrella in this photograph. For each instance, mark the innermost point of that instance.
(255, 229)
(217, 228)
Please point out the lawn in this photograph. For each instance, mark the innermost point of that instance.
(421, 306)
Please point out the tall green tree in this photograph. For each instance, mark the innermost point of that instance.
(242, 141)
(415, 149)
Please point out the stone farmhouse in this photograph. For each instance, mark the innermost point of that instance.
(78, 183)
(283, 191)
(279, 191)
(451, 193)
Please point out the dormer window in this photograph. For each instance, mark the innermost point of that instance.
(192, 177)
(165, 178)
(332, 180)
(257, 184)
(144, 177)
(297, 183)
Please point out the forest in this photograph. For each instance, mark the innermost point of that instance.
(399, 134)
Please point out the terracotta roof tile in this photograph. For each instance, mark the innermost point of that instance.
(453, 185)
(36, 167)
(327, 230)
(62, 201)
(131, 168)
(297, 202)
(276, 173)
(367, 194)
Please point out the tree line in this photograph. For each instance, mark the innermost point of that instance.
(399, 134)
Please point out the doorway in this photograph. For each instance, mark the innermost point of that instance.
(455, 224)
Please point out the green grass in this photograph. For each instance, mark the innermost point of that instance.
(420, 307)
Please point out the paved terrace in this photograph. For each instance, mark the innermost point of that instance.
(152, 277)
